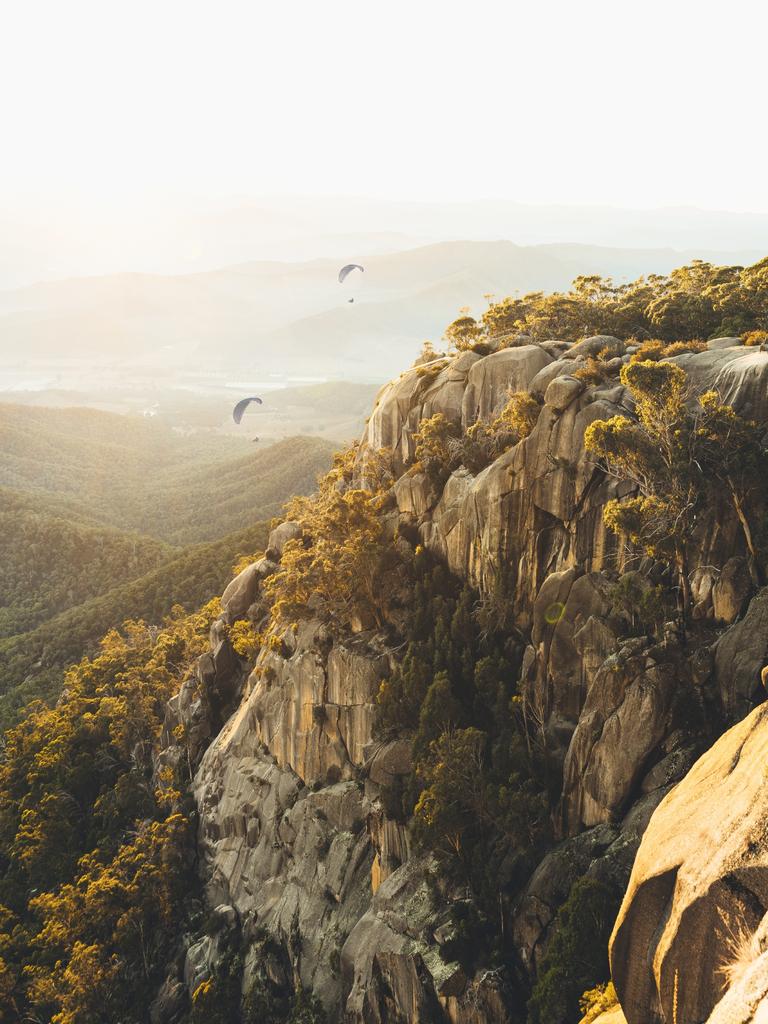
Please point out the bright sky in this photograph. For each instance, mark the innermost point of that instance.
(646, 103)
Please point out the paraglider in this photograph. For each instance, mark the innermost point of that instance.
(347, 269)
(242, 405)
(350, 300)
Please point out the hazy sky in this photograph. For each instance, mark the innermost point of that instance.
(637, 104)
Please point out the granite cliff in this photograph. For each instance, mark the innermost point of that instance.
(299, 850)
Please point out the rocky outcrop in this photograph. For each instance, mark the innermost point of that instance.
(296, 838)
(740, 655)
(738, 374)
(694, 915)
(627, 739)
(301, 834)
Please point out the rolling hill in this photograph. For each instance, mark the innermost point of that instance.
(136, 474)
(104, 518)
(32, 663)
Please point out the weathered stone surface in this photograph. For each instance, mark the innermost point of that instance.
(492, 379)
(300, 808)
(242, 591)
(415, 494)
(571, 639)
(738, 374)
(562, 391)
(732, 590)
(627, 714)
(549, 886)
(594, 345)
(418, 393)
(740, 656)
(170, 1004)
(700, 873)
(715, 344)
(552, 371)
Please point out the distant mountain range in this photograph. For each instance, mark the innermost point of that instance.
(47, 243)
(269, 317)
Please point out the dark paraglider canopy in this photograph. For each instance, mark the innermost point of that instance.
(242, 405)
(348, 270)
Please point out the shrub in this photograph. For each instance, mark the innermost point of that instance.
(437, 447)
(245, 638)
(677, 348)
(577, 955)
(596, 1001)
(649, 350)
(594, 372)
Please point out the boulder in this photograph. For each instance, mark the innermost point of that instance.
(562, 391)
(279, 537)
(699, 883)
(241, 593)
(740, 656)
(715, 344)
(571, 639)
(558, 368)
(492, 379)
(627, 714)
(594, 345)
(738, 374)
(731, 592)
(415, 494)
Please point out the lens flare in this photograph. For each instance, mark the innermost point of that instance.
(554, 613)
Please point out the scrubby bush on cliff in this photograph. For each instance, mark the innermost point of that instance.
(652, 453)
(437, 447)
(678, 454)
(597, 1001)
(577, 955)
(595, 371)
(440, 446)
(692, 302)
(464, 333)
(754, 339)
(338, 568)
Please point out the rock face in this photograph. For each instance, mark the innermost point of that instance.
(697, 899)
(297, 836)
(294, 837)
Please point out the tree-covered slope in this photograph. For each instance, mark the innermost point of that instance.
(32, 663)
(140, 475)
(51, 563)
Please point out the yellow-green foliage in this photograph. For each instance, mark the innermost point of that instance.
(464, 333)
(656, 349)
(596, 1001)
(754, 338)
(93, 863)
(678, 348)
(680, 456)
(437, 445)
(337, 568)
(245, 638)
(695, 301)
(519, 416)
(594, 371)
